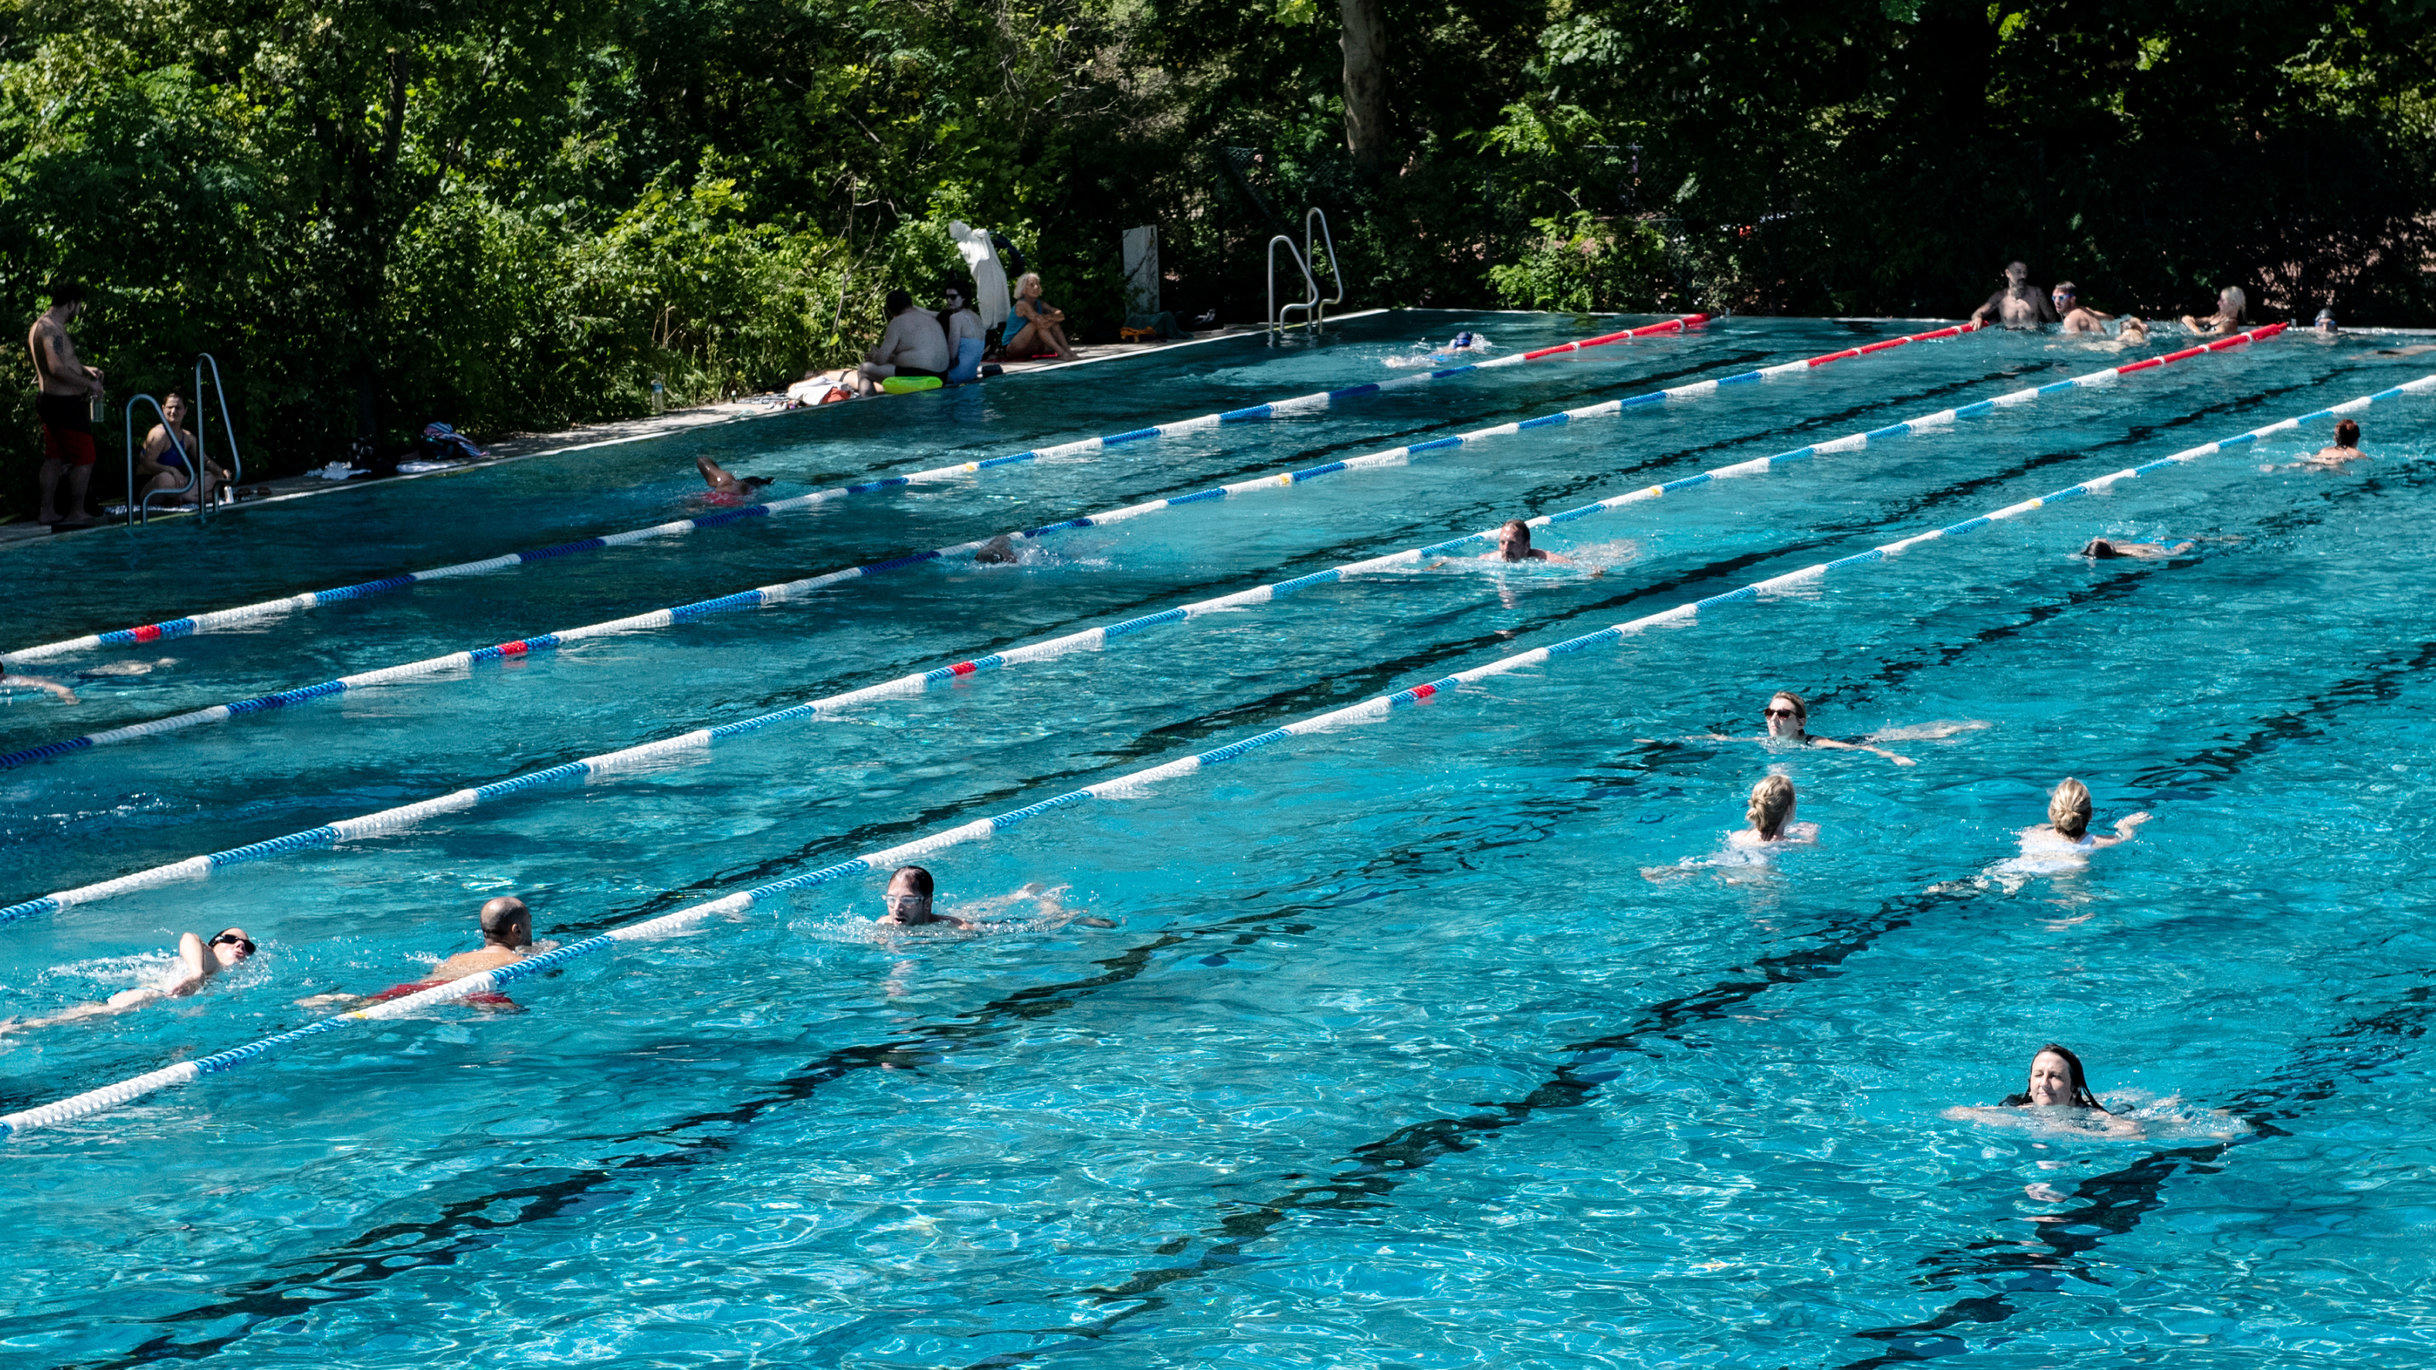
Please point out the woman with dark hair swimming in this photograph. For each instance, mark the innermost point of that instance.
(2056, 1080)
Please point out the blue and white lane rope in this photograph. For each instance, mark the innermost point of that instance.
(776, 594)
(1125, 786)
(270, 608)
(773, 594)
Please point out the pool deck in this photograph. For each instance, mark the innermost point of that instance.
(23, 531)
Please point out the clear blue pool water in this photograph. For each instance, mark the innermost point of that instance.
(1394, 1055)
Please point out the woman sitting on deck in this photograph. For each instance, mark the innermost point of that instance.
(1039, 326)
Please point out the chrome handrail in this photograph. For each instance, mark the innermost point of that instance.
(219, 393)
(1315, 213)
(1277, 313)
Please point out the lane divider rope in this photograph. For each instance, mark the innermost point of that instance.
(766, 595)
(1125, 786)
(271, 608)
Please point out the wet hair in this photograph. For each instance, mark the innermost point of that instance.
(1516, 526)
(2068, 808)
(66, 291)
(2100, 547)
(756, 482)
(245, 943)
(1771, 803)
(2232, 294)
(2347, 434)
(917, 877)
(2064, 288)
(2081, 1097)
(898, 302)
(504, 916)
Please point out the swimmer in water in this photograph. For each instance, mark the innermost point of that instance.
(1788, 720)
(909, 904)
(198, 962)
(2077, 317)
(1514, 544)
(2230, 305)
(2056, 1082)
(2100, 549)
(2066, 831)
(721, 483)
(507, 937)
(13, 680)
(2325, 322)
(998, 551)
(2346, 447)
(1771, 815)
(2019, 305)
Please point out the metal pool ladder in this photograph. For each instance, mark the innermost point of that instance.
(139, 507)
(1312, 306)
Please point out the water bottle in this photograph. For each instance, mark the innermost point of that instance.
(656, 398)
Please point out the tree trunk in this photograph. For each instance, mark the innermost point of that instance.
(1365, 44)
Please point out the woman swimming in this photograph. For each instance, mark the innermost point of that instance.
(1788, 722)
(1771, 816)
(2056, 1081)
(2066, 831)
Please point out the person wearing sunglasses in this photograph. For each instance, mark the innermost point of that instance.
(2077, 317)
(198, 961)
(1788, 722)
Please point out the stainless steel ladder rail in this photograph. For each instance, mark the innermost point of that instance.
(219, 394)
(1319, 306)
(139, 502)
(1277, 312)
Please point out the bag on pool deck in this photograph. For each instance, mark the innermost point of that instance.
(906, 385)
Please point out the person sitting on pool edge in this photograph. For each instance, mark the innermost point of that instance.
(1771, 816)
(726, 488)
(198, 962)
(2101, 549)
(507, 937)
(19, 681)
(2067, 827)
(1788, 719)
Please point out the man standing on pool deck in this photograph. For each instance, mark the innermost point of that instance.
(2019, 305)
(66, 387)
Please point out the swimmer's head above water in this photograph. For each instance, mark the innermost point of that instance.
(506, 922)
(1514, 540)
(908, 897)
(2056, 1081)
(1771, 807)
(1788, 716)
(2068, 809)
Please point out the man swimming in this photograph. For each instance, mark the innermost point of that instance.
(2019, 305)
(2101, 549)
(198, 962)
(722, 483)
(10, 680)
(1514, 544)
(1788, 723)
(507, 937)
(2077, 317)
(998, 551)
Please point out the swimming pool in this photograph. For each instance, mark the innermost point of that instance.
(1395, 1056)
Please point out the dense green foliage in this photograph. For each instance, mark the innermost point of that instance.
(513, 215)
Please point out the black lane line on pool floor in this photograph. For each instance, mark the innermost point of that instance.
(464, 1228)
(473, 1227)
(2113, 1204)
(1377, 1169)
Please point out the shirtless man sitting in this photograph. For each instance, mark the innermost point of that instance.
(198, 962)
(2019, 305)
(2078, 317)
(507, 937)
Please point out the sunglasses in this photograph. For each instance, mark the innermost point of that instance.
(233, 939)
(1781, 713)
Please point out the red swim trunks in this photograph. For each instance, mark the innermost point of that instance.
(486, 999)
(67, 428)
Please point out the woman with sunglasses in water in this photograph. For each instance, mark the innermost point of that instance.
(198, 962)
(1788, 723)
